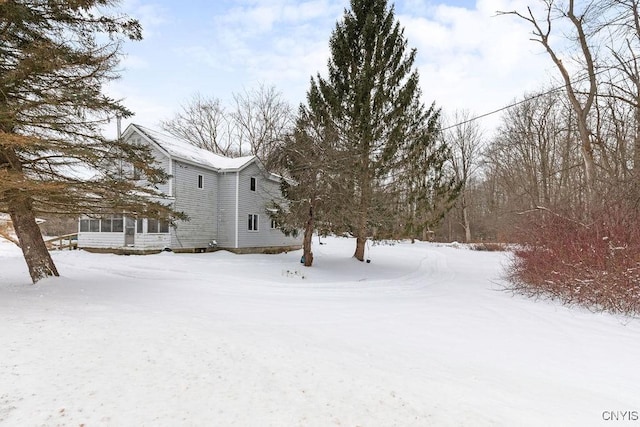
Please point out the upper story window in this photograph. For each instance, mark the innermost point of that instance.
(253, 222)
(200, 181)
(253, 184)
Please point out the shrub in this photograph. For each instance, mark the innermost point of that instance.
(595, 265)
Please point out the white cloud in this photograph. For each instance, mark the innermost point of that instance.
(473, 59)
(152, 16)
(276, 42)
(467, 57)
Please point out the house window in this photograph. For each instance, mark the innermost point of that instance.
(111, 224)
(152, 225)
(253, 184)
(117, 224)
(200, 181)
(274, 224)
(157, 226)
(105, 225)
(253, 222)
(94, 225)
(89, 225)
(139, 225)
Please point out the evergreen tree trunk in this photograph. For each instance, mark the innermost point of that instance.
(306, 241)
(363, 213)
(360, 244)
(33, 247)
(23, 218)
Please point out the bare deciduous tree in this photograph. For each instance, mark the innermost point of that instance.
(204, 123)
(465, 140)
(581, 97)
(261, 118)
(623, 25)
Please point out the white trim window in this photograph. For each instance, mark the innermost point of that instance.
(253, 184)
(200, 181)
(157, 226)
(107, 224)
(274, 224)
(90, 225)
(254, 220)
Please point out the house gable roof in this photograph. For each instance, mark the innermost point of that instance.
(179, 149)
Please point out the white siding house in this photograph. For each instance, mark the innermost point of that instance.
(226, 200)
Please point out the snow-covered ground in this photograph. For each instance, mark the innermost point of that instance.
(421, 336)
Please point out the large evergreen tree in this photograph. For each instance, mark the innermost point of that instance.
(54, 58)
(371, 97)
(312, 165)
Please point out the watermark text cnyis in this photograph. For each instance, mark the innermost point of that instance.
(628, 415)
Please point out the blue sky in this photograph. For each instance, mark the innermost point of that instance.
(467, 57)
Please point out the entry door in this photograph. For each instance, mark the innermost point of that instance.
(129, 231)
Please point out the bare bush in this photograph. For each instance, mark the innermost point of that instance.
(595, 265)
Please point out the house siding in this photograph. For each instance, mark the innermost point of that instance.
(100, 240)
(227, 209)
(257, 202)
(199, 204)
(161, 160)
(152, 240)
(116, 240)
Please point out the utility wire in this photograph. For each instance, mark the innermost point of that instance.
(531, 98)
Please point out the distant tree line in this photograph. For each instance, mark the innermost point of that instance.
(561, 173)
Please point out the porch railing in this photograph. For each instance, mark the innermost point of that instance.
(67, 241)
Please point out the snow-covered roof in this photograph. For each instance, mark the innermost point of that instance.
(182, 150)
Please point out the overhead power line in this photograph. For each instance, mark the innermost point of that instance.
(530, 98)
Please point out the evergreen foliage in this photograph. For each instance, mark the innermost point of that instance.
(312, 164)
(385, 162)
(55, 57)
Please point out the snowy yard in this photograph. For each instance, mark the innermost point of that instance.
(421, 336)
